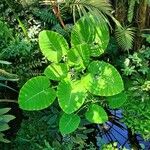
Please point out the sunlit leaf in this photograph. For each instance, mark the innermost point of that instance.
(93, 31)
(79, 56)
(103, 79)
(68, 123)
(71, 95)
(56, 71)
(36, 94)
(96, 114)
(52, 45)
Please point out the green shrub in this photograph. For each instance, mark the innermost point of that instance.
(136, 109)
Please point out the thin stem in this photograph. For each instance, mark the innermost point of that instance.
(57, 13)
(8, 101)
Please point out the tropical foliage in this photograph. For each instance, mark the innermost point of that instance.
(75, 74)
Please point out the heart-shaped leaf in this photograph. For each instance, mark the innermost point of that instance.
(56, 71)
(68, 123)
(117, 101)
(96, 114)
(103, 79)
(79, 56)
(36, 94)
(91, 30)
(71, 95)
(53, 45)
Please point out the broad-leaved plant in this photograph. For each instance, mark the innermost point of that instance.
(75, 72)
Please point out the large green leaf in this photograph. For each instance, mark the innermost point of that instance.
(103, 79)
(36, 94)
(71, 95)
(52, 45)
(79, 56)
(56, 71)
(69, 123)
(117, 100)
(92, 30)
(96, 114)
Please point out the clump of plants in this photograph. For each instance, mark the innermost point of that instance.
(137, 68)
(39, 130)
(75, 76)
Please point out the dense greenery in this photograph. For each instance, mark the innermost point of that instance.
(67, 64)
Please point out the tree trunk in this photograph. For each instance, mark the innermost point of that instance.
(141, 14)
(121, 11)
(148, 17)
(141, 23)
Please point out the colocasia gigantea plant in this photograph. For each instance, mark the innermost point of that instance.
(74, 74)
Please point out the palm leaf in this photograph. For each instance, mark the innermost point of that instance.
(81, 7)
(125, 37)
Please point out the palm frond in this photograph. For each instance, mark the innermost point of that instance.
(125, 37)
(81, 7)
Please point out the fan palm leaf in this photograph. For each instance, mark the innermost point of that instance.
(81, 7)
(125, 37)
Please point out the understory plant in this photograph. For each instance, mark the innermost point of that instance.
(40, 131)
(75, 76)
(137, 71)
(4, 120)
(17, 49)
(6, 76)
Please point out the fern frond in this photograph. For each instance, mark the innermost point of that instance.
(5, 32)
(125, 37)
(65, 32)
(46, 15)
